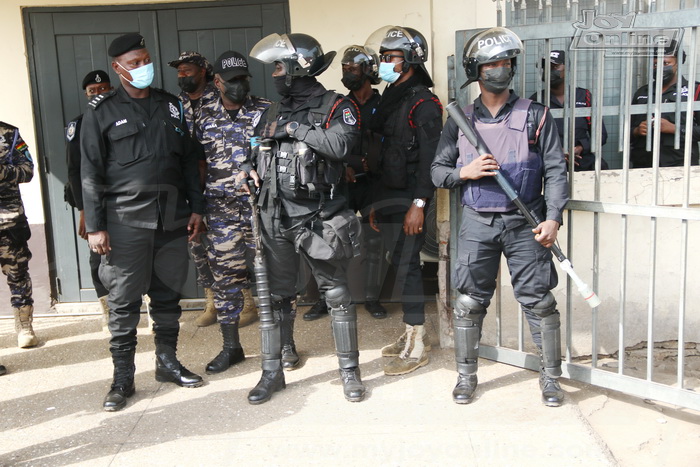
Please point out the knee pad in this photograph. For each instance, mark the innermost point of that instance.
(466, 306)
(546, 306)
(338, 297)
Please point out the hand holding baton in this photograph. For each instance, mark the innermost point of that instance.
(464, 124)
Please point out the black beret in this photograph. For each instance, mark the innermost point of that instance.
(126, 43)
(95, 77)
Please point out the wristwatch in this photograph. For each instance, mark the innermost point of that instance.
(291, 128)
(419, 202)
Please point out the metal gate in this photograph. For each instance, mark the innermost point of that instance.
(627, 231)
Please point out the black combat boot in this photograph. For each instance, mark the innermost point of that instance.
(170, 370)
(290, 358)
(552, 395)
(231, 353)
(270, 382)
(319, 310)
(123, 383)
(353, 389)
(3, 370)
(463, 393)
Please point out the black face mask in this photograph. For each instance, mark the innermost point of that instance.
(352, 81)
(236, 90)
(281, 85)
(668, 74)
(188, 83)
(497, 80)
(555, 78)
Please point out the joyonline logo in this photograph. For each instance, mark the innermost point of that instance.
(617, 35)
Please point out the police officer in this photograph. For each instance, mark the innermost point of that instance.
(584, 159)
(142, 197)
(360, 72)
(16, 167)
(305, 139)
(668, 155)
(409, 118)
(224, 123)
(491, 224)
(95, 83)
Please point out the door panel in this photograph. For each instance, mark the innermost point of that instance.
(66, 43)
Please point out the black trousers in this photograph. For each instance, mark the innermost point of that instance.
(144, 261)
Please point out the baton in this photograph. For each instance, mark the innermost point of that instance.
(462, 121)
(262, 284)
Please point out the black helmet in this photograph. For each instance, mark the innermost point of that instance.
(490, 45)
(301, 54)
(411, 42)
(358, 55)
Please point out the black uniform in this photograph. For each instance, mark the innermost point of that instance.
(410, 125)
(74, 192)
(668, 156)
(304, 213)
(140, 184)
(582, 129)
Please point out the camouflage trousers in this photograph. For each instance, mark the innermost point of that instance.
(14, 260)
(229, 240)
(198, 253)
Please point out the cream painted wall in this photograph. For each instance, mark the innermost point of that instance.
(333, 23)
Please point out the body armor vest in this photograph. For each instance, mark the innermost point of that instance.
(516, 154)
(299, 171)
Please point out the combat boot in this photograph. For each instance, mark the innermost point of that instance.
(375, 309)
(208, 316)
(249, 314)
(104, 307)
(463, 393)
(353, 389)
(552, 395)
(3, 370)
(170, 370)
(319, 310)
(231, 353)
(123, 382)
(395, 349)
(290, 358)
(270, 382)
(413, 356)
(23, 326)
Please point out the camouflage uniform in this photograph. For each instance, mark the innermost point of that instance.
(16, 167)
(197, 250)
(226, 144)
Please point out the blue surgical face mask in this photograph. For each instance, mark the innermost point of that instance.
(387, 73)
(141, 77)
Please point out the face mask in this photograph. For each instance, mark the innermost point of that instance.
(141, 77)
(352, 81)
(236, 90)
(281, 85)
(555, 78)
(387, 73)
(497, 80)
(187, 83)
(668, 74)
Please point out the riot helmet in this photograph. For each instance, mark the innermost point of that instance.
(411, 42)
(368, 62)
(300, 54)
(490, 45)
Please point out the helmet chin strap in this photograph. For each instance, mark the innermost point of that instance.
(288, 80)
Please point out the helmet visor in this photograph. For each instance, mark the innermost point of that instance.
(272, 48)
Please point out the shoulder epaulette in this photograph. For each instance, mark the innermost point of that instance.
(100, 98)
